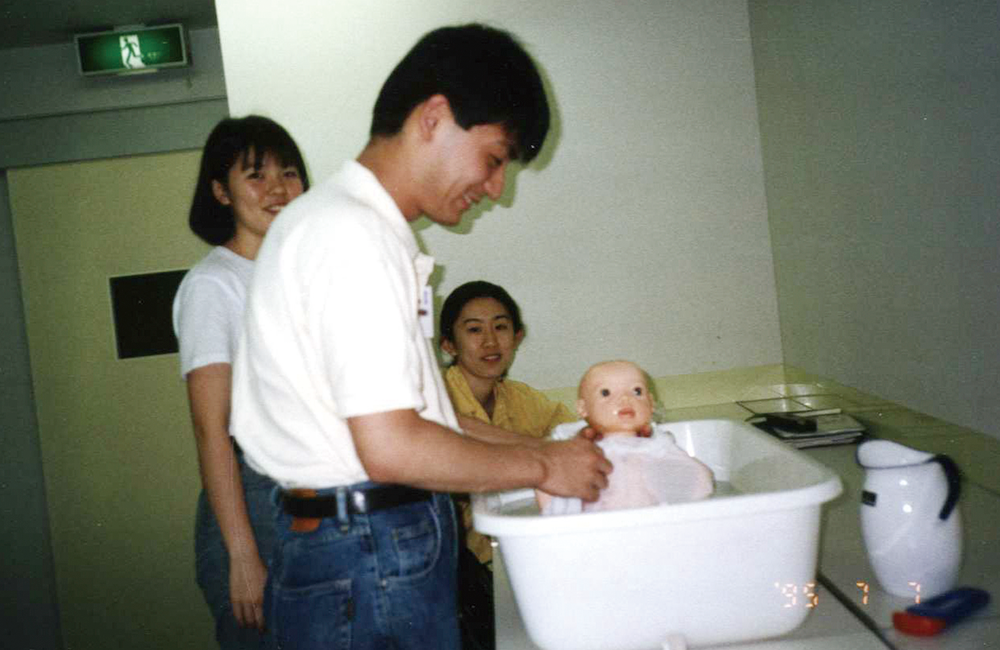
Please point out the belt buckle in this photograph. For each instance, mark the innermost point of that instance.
(359, 501)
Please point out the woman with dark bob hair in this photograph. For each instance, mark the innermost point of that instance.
(250, 170)
(480, 330)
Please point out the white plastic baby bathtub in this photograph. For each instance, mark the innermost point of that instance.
(736, 567)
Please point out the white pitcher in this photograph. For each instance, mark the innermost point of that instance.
(909, 518)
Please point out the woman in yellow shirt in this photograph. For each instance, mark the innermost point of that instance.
(480, 329)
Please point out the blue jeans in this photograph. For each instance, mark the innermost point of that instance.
(212, 559)
(381, 581)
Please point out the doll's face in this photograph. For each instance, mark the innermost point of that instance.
(614, 397)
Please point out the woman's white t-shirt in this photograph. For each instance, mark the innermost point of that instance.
(208, 309)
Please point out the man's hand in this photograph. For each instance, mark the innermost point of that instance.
(574, 468)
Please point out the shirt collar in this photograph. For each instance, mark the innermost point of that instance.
(360, 181)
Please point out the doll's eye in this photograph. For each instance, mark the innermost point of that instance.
(605, 392)
(638, 391)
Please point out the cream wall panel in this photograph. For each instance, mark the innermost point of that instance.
(881, 133)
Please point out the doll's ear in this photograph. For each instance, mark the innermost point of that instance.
(581, 408)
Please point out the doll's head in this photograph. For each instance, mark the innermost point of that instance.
(614, 398)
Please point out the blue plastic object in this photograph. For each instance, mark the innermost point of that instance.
(933, 615)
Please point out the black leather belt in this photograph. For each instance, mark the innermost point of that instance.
(305, 503)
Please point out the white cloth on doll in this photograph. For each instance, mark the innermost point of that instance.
(647, 471)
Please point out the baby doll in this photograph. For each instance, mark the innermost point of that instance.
(614, 400)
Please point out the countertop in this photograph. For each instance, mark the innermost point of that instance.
(852, 611)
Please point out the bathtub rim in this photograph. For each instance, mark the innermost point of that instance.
(825, 487)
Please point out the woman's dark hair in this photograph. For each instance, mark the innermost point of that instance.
(486, 76)
(235, 139)
(469, 291)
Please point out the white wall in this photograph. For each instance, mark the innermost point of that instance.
(881, 130)
(642, 233)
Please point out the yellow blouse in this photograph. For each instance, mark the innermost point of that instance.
(517, 407)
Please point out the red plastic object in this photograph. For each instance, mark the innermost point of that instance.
(917, 625)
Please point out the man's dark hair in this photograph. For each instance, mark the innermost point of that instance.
(485, 74)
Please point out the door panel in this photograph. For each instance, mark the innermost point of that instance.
(118, 454)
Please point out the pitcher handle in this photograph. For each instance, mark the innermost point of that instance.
(954, 478)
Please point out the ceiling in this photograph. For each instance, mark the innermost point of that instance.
(29, 23)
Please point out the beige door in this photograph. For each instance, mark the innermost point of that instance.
(118, 454)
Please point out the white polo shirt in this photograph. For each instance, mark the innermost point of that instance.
(332, 332)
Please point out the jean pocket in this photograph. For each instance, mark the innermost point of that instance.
(417, 544)
(312, 617)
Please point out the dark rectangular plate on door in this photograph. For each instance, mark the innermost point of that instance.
(142, 306)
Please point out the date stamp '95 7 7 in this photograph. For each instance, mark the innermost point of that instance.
(806, 596)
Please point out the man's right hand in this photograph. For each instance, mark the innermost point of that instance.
(574, 468)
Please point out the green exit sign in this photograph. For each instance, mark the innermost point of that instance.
(126, 51)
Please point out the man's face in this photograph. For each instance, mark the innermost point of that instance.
(614, 398)
(470, 165)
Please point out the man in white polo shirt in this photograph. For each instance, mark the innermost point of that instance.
(336, 393)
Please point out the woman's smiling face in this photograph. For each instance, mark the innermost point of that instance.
(257, 194)
(485, 340)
